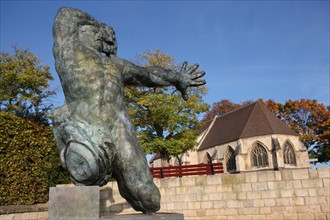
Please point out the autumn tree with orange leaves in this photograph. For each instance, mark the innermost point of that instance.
(310, 119)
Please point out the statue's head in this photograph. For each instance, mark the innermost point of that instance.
(109, 42)
(100, 37)
(72, 23)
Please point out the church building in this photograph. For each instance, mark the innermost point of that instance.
(249, 138)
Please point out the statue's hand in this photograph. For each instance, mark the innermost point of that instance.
(189, 78)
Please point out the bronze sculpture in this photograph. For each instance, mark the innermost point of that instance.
(93, 131)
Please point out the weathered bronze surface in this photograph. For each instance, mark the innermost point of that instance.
(93, 131)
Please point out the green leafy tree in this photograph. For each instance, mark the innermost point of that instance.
(166, 124)
(24, 85)
(29, 161)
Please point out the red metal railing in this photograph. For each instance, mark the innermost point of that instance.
(187, 170)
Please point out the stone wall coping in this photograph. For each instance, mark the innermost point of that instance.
(10, 209)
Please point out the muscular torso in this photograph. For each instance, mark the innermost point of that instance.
(94, 86)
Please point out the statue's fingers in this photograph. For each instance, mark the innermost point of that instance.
(193, 68)
(198, 83)
(184, 95)
(184, 66)
(197, 75)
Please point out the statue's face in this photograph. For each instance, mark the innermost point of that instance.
(109, 42)
(91, 37)
(101, 38)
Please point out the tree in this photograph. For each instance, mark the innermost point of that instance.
(222, 107)
(165, 123)
(24, 85)
(28, 155)
(311, 120)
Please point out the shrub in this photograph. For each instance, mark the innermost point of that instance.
(29, 163)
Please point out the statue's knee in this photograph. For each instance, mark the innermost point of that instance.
(151, 199)
(87, 166)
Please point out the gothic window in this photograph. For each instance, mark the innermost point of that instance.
(211, 158)
(259, 156)
(231, 160)
(289, 156)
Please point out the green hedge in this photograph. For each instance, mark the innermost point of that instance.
(29, 163)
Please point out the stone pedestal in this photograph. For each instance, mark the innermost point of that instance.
(70, 203)
(157, 216)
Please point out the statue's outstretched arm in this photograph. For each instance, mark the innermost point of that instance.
(157, 76)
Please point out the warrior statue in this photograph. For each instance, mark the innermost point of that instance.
(93, 131)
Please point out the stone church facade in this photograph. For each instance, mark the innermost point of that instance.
(247, 139)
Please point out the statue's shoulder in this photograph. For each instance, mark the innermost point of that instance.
(65, 11)
(74, 15)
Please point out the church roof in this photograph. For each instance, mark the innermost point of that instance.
(249, 121)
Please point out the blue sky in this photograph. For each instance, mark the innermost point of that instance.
(249, 49)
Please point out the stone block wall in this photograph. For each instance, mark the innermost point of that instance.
(287, 194)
